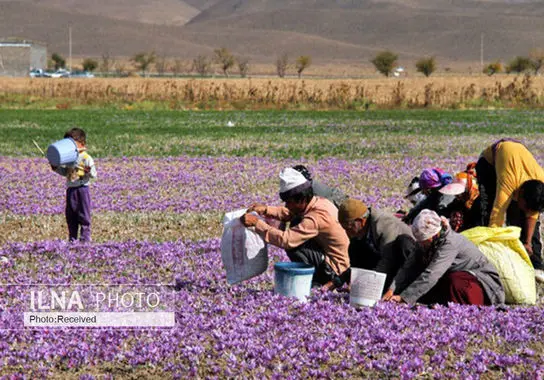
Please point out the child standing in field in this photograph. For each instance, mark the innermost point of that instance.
(78, 199)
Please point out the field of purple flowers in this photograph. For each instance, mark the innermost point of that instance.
(246, 330)
(167, 211)
(189, 184)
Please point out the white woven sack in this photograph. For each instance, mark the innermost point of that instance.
(243, 251)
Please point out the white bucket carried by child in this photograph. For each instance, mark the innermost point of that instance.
(366, 287)
(293, 279)
(243, 251)
(62, 153)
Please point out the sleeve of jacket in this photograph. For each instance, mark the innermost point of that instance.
(438, 266)
(307, 229)
(505, 187)
(279, 213)
(386, 245)
(503, 198)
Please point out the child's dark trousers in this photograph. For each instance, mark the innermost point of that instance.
(78, 212)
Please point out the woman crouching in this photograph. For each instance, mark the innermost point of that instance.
(447, 267)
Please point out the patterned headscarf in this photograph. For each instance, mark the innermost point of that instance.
(434, 177)
(426, 225)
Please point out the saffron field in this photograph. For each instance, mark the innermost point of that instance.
(164, 181)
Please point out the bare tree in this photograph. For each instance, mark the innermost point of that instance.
(178, 67)
(107, 63)
(201, 65)
(537, 59)
(243, 66)
(225, 59)
(161, 65)
(303, 62)
(120, 69)
(282, 63)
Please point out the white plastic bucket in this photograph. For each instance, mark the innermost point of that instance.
(62, 152)
(366, 287)
(293, 279)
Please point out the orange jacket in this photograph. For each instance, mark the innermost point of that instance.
(320, 221)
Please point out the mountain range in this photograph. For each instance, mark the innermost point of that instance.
(329, 31)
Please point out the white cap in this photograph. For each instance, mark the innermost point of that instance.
(291, 179)
(426, 224)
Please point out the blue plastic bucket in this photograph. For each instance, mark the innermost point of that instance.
(62, 152)
(293, 279)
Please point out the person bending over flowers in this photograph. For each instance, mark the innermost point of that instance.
(446, 268)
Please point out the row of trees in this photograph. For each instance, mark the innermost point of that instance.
(386, 61)
(227, 61)
(533, 63)
(202, 64)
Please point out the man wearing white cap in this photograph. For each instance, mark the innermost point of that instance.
(318, 239)
(447, 268)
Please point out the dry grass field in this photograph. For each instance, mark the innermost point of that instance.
(261, 93)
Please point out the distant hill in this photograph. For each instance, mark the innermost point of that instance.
(201, 4)
(448, 29)
(91, 35)
(396, 9)
(329, 31)
(161, 12)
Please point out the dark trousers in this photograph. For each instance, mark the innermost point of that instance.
(487, 184)
(310, 253)
(364, 255)
(78, 212)
(516, 217)
(404, 246)
(458, 287)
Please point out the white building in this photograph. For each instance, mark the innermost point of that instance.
(18, 57)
